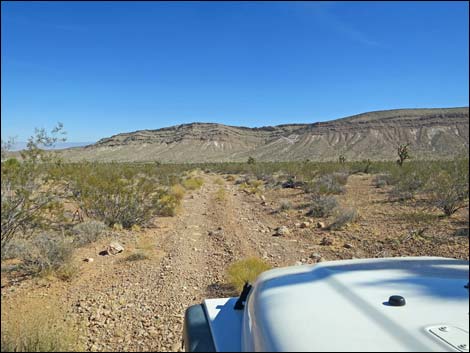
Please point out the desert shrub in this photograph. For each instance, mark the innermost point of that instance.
(15, 248)
(88, 232)
(344, 217)
(409, 183)
(27, 201)
(285, 205)
(449, 189)
(46, 252)
(167, 205)
(246, 270)
(38, 325)
(381, 180)
(327, 184)
(363, 166)
(67, 271)
(115, 195)
(193, 183)
(322, 206)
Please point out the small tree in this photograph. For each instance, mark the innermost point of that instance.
(251, 160)
(403, 154)
(342, 159)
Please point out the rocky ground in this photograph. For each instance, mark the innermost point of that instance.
(139, 305)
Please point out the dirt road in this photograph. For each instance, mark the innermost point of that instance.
(139, 306)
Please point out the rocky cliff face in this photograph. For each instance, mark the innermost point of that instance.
(431, 133)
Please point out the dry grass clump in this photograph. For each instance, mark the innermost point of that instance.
(246, 270)
(285, 205)
(344, 217)
(253, 186)
(37, 325)
(144, 249)
(219, 181)
(193, 183)
(136, 256)
(221, 195)
(88, 232)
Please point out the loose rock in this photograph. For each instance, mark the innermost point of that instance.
(114, 248)
(283, 230)
(326, 241)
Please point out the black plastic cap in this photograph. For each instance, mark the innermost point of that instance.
(396, 300)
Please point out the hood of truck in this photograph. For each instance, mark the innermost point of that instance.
(344, 306)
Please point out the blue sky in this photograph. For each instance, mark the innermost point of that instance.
(103, 68)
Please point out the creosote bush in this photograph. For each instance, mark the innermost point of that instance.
(29, 201)
(108, 195)
(449, 189)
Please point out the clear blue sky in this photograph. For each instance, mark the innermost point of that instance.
(103, 68)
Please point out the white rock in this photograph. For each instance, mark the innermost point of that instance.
(115, 248)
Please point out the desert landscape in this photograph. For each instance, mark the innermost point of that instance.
(234, 176)
(111, 254)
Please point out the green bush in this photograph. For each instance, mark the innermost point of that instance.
(115, 195)
(449, 189)
(167, 205)
(29, 201)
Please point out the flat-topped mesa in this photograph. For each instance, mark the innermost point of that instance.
(431, 133)
(198, 131)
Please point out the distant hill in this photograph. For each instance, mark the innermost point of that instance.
(431, 133)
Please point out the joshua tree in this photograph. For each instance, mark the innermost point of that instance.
(342, 159)
(251, 160)
(403, 154)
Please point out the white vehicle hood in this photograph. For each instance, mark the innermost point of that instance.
(343, 306)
